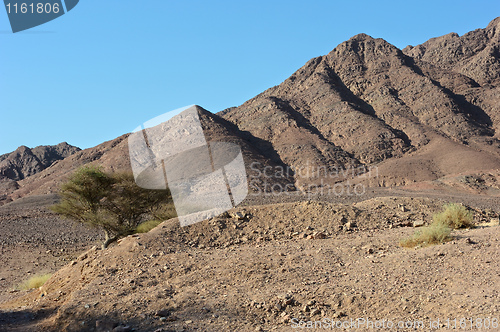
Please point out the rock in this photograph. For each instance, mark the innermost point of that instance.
(163, 313)
(406, 224)
(338, 314)
(122, 329)
(319, 235)
(311, 303)
(306, 308)
(105, 325)
(315, 312)
(349, 226)
(238, 215)
(418, 223)
(495, 221)
(286, 299)
(259, 329)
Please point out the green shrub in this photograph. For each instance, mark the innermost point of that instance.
(147, 226)
(35, 281)
(454, 216)
(110, 201)
(433, 234)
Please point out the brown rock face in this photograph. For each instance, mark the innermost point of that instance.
(367, 102)
(25, 162)
(475, 54)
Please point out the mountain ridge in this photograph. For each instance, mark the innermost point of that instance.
(419, 114)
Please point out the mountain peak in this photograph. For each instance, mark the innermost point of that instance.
(363, 44)
(25, 161)
(362, 37)
(494, 23)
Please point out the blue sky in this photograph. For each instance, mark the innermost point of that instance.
(107, 66)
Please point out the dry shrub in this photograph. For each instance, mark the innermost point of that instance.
(434, 234)
(454, 216)
(35, 281)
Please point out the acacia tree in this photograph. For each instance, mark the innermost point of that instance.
(112, 202)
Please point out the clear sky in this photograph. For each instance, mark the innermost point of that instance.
(109, 65)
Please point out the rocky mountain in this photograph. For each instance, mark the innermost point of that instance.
(420, 115)
(475, 54)
(114, 156)
(25, 162)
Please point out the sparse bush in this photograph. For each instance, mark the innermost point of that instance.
(112, 202)
(147, 226)
(454, 216)
(434, 234)
(160, 214)
(35, 282)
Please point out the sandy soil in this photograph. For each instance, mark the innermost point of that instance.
(266, 272)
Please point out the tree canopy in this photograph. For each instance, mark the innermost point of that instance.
(110, 201)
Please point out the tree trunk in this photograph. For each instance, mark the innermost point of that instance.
(108, 240)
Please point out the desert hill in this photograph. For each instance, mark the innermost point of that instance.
(25, 162)
(280, 262)
(114, 156)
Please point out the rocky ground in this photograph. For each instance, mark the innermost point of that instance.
(35, 241)
(258, 268)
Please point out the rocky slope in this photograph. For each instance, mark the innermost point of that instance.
(276, 265)
(25, 162)
(367, 102)
(114, 156)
